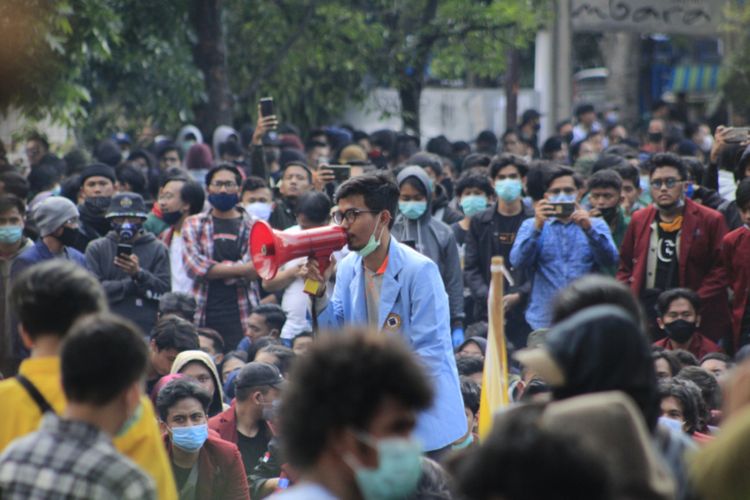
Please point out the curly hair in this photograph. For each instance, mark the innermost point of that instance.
(340, 383)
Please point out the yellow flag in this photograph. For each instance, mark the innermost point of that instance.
(495, 377)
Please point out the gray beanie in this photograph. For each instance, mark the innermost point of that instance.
(52, 213)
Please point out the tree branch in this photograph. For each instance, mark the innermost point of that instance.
(280, 54)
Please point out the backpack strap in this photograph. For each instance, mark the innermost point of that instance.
(34, 393)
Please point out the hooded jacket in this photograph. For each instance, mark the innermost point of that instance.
(136, 298)
(435, 240)
(601, 349)
(221, 134)
(441, 209)
(185, 357)
(189, 129)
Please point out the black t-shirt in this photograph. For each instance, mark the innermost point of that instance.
(252, 448)
(504, 231)
(459, 233)
(667, 272)
(222, 309)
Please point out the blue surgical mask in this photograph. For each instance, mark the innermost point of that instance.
(690, 190)
(398, 471)
(508, 189)
(372, 243)
(10, 234)
(259, 209)
(190, 438)
(563, 198)
(473, 203)
(412, 209)
(223, 202)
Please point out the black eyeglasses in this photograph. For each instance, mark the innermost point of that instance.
(350, 215)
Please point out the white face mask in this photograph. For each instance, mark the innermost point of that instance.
(259, 210)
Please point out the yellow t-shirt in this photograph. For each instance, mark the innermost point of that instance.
(21, 416)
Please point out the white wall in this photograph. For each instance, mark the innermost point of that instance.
(459, 114)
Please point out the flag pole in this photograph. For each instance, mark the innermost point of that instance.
(497, 310)
(495, 377)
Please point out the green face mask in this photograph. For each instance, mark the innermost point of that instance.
(131, 421)
(372, 243)
(398, 472)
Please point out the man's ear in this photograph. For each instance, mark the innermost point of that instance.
(28, 343)
(274, 332)
(697, 320)
(163, 427)
(660, 323)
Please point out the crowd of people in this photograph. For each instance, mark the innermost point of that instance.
(145, 356)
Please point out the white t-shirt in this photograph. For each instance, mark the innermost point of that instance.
(181, 282)
(295, 302)
(304, 491)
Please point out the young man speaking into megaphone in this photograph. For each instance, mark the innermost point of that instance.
(395, 289)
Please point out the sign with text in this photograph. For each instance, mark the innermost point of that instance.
(688, 17)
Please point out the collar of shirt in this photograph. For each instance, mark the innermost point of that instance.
(83, 432)
(43, 366)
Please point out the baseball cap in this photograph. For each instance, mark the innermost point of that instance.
(256, 374)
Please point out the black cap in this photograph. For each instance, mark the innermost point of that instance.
(257, 374)
(127, 205)
(98, 170)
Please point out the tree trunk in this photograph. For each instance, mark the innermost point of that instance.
(621, 53)
(210, 55)
(410, 92)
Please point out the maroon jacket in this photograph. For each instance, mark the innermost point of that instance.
(225, 424)
(221, 475)
(699, 345)
(699, 261)
(735, 257)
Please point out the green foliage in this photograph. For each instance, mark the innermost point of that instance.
(106, 65)
(150, 77)
(310, 55)
(44, 49)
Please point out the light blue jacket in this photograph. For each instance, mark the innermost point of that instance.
(414, 302)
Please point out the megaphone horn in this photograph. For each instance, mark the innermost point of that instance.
(270, 249)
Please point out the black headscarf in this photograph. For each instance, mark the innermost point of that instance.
(602, 348)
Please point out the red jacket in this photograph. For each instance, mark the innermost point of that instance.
(699, 345)
(699, 261)
(735, 257)
(221, 475)
(225, 424)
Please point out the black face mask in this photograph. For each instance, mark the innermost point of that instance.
(68, 237)
(608, 214)
(97, 204)
(655, 137)
(680, 331)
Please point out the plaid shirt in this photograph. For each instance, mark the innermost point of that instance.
(70, 459)
(198, 238)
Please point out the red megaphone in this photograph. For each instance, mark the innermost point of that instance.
(270, 249)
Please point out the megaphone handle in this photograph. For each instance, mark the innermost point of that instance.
(314, 311)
